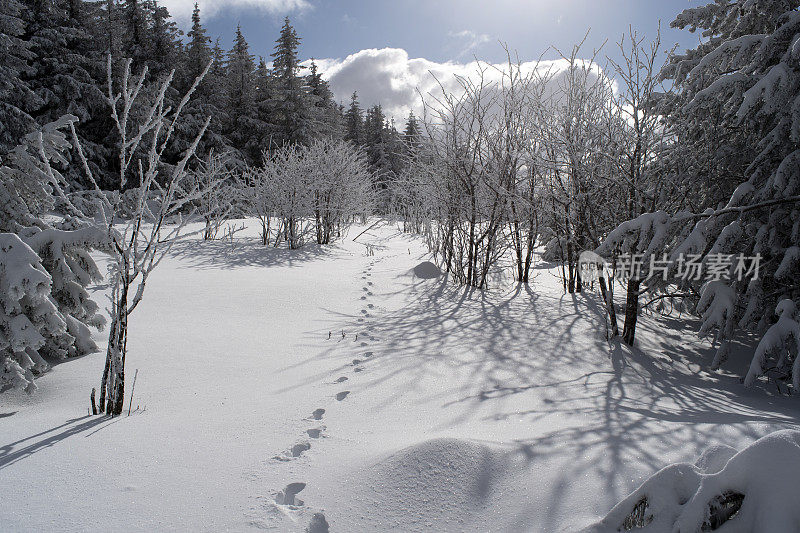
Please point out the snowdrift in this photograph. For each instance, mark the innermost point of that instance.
(427, 270)
(752, 490)
(441, 485)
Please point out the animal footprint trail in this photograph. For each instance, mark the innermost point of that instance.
(318, 524)
(288, 495)
(298, 449)
(341, 379)
(315, 433)
(294, 452)
(317, 414)
(342, 395)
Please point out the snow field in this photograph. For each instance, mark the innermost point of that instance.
(294, 390)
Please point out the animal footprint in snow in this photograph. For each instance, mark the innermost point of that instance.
(318, 524)
(369, 354)
(298, 449)
(287, 495)
(295, 451)
(363, 344)
(357, 369)
(315, 433)
(341, 379)
(363, 311)
(370, 305)
(342, 395)
(356, 361)
(360, 320)
(369, 283)
(317, 414)
(369, 293)
(363, 297)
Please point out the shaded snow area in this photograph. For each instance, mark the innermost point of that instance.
(350, 388)
(752, 490)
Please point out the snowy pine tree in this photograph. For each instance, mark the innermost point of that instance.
(240, 70)
(354, 121)
(28, 316)
(59, 310)
(17, 98)
(744, 71)
(291, 106)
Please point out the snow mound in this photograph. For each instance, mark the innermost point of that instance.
(427, 270)
(752, 490)
(438, 485)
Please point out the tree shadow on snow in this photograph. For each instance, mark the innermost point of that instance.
(24, 448)
(594, 406)
(216, 254)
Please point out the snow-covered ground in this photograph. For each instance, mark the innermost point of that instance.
(429, 407)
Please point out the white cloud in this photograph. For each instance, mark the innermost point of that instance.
(388, 76)
(469, 40)
(182, 9)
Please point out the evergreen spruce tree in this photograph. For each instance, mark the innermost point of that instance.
(325, 114)
(241, 94)
(198, 50)
(17, 98)
(354, 122)
(60, 37)
(290, 103)
(164, 43)
(375, 140)
(133, 32)
(263, 130)
(214, 93)
(46, 309)
(412, 133)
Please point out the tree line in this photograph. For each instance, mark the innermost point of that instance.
(54, 63)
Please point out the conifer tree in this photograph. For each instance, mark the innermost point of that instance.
(290, 104)
(207, 100)
(325, 114)
(240, 71)
(263, 130)
(412, 133)
(198, 50)
(133, 33)
(61, 38)
(354, 122)
(17, 99)
(164, 44)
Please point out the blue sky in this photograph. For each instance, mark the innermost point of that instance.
(438, 31)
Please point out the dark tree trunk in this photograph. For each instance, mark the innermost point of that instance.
(608, 298)
(631, 311)
(113, 386)
(92, 401)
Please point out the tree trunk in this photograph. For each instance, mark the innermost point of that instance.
(608, 298)
(114, 376)
(631, 311)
